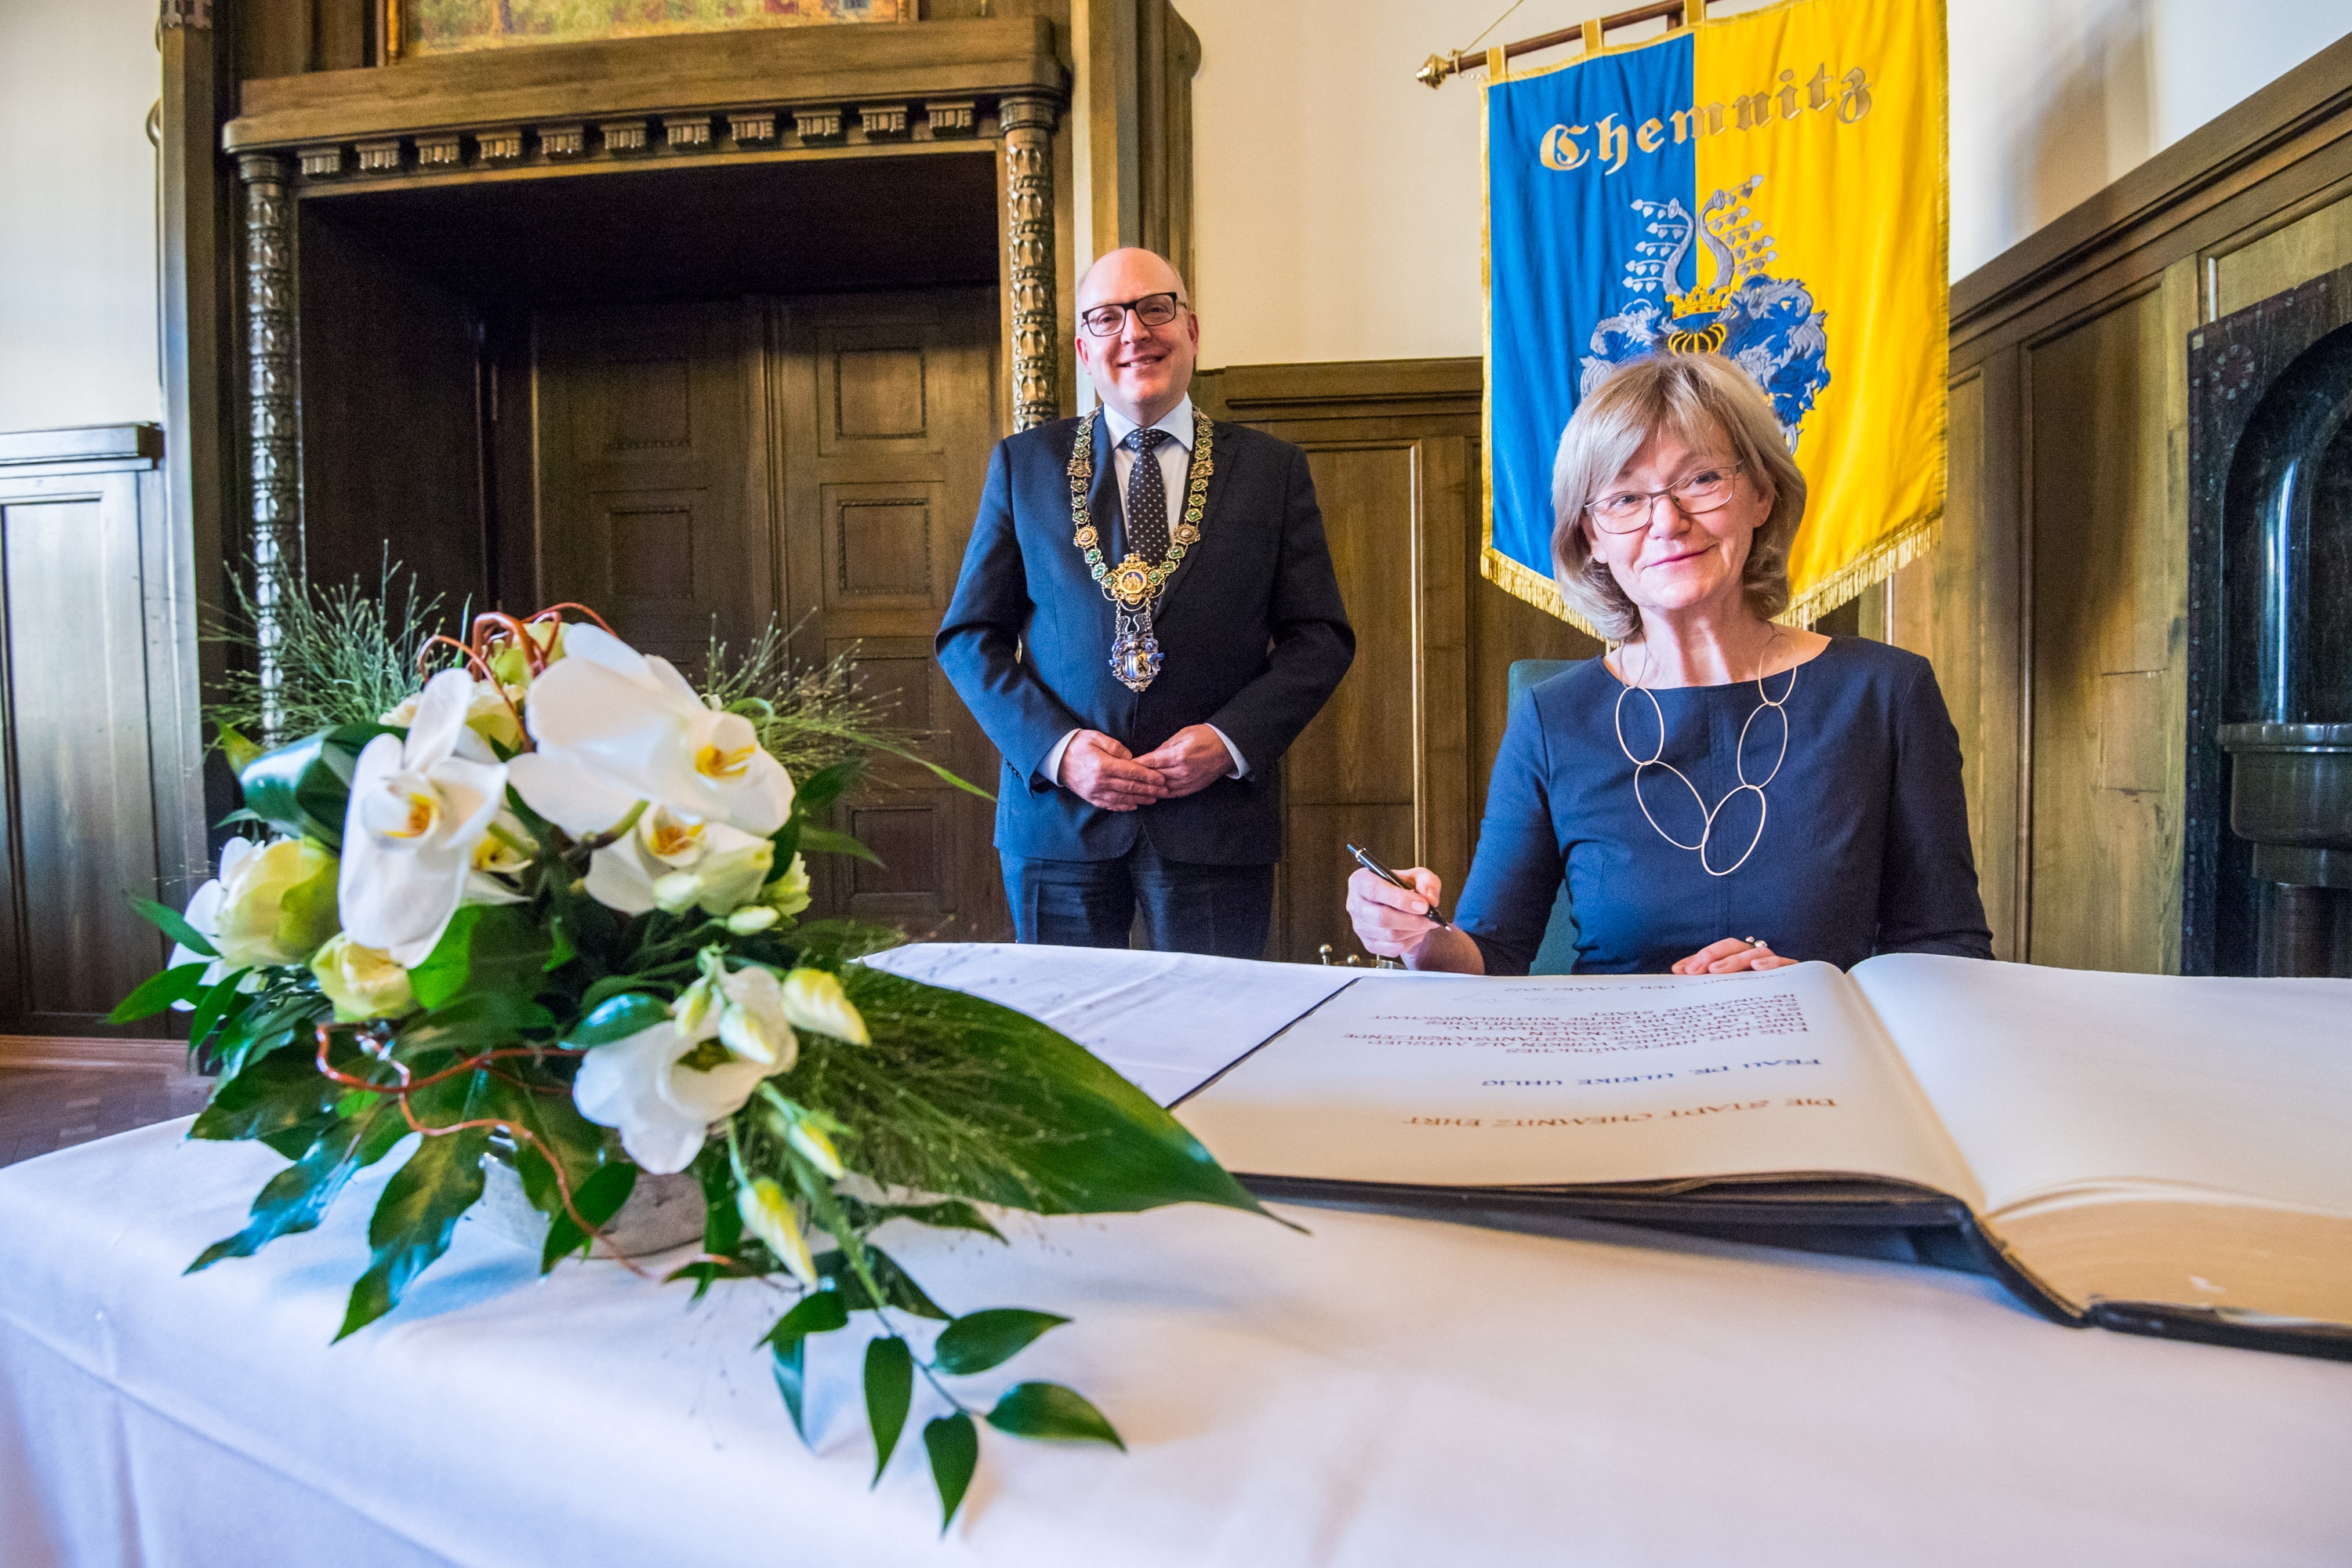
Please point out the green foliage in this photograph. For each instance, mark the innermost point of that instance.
(955, 1104)
(415, 1219)
(953, 1444)
(1049, 1410)
(173, 924)
(345, 656)
(889, 1390)
(978, 1341)
(184, 983)
(302, 788)
(489, 950)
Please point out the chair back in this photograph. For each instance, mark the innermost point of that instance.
(1558, 954)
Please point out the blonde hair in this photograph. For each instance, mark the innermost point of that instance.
(1708, 402)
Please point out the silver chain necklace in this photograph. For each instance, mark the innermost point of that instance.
(1739, 761)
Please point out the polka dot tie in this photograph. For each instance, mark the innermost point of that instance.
(1146, 497)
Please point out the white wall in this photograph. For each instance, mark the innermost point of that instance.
(77, 213)
(1338, 201)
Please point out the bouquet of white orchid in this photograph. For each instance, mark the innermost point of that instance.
(544, 910)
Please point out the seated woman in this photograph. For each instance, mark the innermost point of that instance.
(1720, 792)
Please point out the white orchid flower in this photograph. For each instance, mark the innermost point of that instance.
(664, 1085)
(673, 863)
(419, 809)
(663, 1107)
(489, 713)
(613, 727)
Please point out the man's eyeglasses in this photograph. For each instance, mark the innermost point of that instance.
(1623, 512)
(1154, 310)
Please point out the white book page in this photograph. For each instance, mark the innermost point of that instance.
(1557, 1081)
(2056, 1078)
(1166, 1022)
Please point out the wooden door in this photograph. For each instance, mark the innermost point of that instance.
(884, 417)
(646, 446)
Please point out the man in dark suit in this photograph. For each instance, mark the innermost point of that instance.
(1146, 619)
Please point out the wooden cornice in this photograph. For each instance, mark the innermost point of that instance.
(2303, 112)
(699, 71)
(138, 446)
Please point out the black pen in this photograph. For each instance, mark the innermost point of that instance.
(1364, 858)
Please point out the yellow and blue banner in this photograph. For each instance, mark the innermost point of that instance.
(1770, 187)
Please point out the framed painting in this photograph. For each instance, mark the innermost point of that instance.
(455, 27)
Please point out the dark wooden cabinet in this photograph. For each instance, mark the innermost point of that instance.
(98, 728)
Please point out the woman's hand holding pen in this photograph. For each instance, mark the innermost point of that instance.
(1393, 922)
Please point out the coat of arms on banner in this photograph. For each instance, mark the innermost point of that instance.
(1768, 188)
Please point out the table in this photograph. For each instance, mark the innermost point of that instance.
(1384, 1391)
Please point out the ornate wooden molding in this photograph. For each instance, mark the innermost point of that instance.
(273, 435)
(1028, 128)
(760, 69)
(196, 14)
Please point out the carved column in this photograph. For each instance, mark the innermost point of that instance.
(273, 443)
(1028, 125)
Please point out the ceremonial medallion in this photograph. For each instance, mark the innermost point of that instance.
(1134, 586)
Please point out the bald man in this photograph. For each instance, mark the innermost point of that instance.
(1146, 619)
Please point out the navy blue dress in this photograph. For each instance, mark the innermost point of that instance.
(1864, 843)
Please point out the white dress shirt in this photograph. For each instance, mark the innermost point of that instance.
(1175, 458)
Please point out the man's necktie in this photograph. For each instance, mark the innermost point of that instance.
(1146, 497)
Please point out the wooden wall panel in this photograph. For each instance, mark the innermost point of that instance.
(2054, 606)
(392, 451)
(100, 797)
(2106, 839)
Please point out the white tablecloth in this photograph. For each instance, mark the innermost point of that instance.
(1383, 1390)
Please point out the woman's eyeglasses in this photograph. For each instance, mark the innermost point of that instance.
(1154, 310)
(1709, 489)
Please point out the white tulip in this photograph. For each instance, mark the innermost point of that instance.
(419, 809)
(768, 1214)
(613, 727)
(277, 904)
(813, 1000)
(204, 914)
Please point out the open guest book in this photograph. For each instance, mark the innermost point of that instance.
(2154, 1154)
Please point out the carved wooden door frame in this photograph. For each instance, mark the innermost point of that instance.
(590, 111)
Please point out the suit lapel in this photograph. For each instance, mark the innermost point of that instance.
(1222, 456)
(1103, 500)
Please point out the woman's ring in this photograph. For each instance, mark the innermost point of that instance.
(1757, 942)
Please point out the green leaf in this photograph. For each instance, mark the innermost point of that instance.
(1108, 1149)
(953, 1444)
(818, 1312)
(486, 948)
(414, 1218)
(786, 841)
(617, 1018)
(175, 924)
(158, 992)
(598, 1199)
(825, 840)
(1049, 1410)
(824, 786)
(948, 1213)
(272, 1094)
(898, 1289)
(220, 1002)
(889, 1390)
(304, 789)
(978, 1340)
(298, 1197)
(722, 1225)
